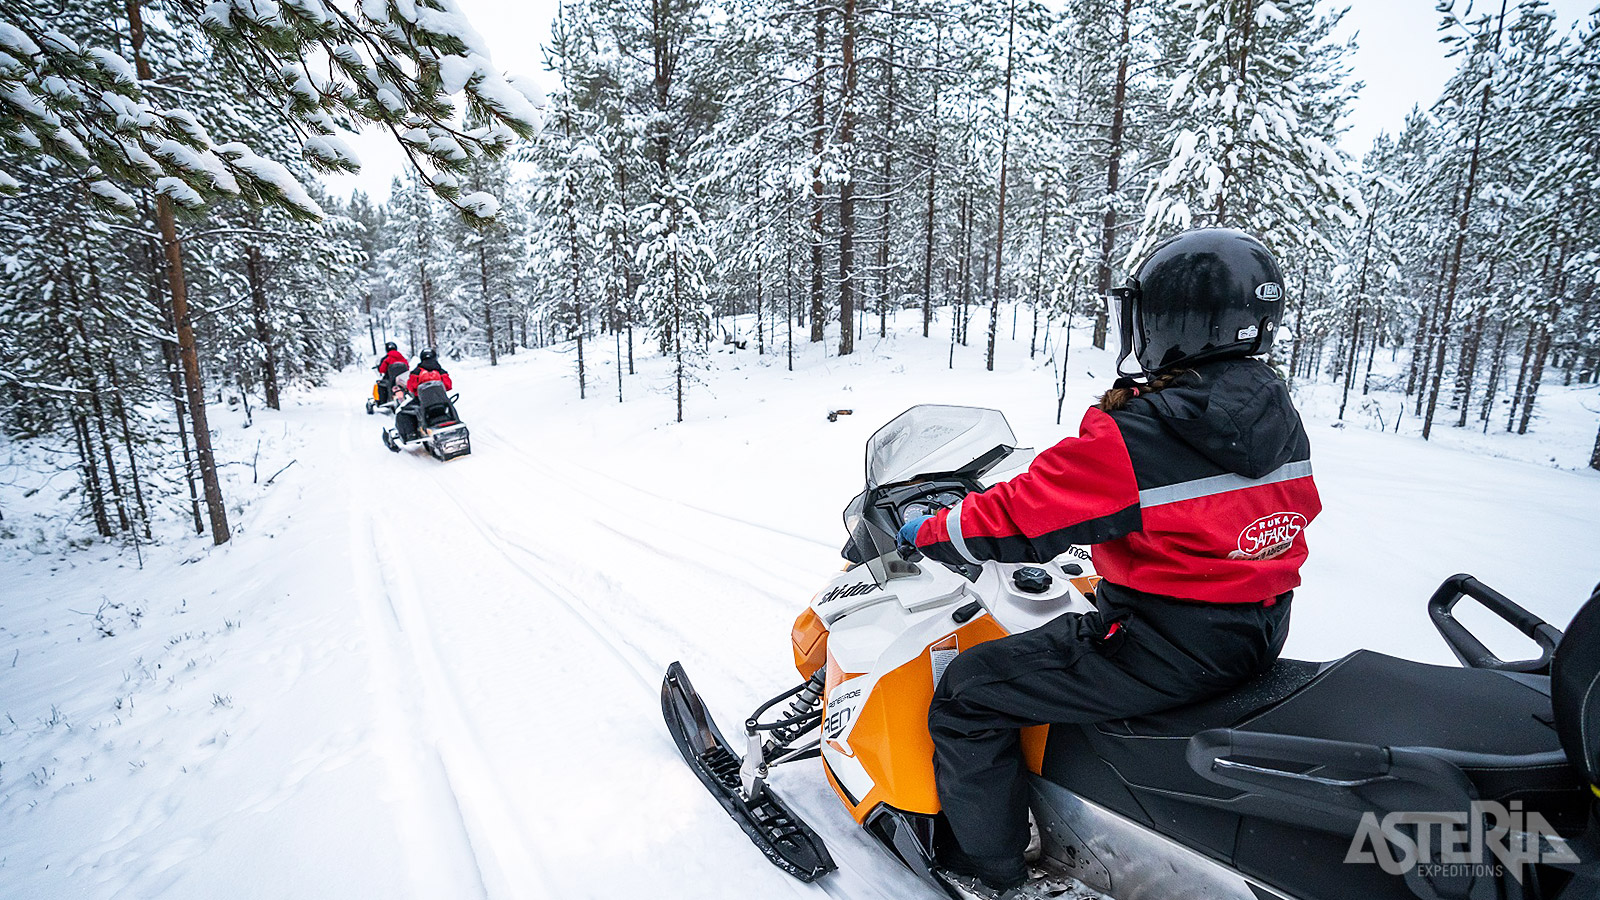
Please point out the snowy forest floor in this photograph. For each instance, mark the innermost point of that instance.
(404, 678)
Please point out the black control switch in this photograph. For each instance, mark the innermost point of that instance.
(966, 612)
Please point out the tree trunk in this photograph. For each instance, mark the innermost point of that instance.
(818, 129)
(1108, 226)
(1443, 329)
(194, 387)
(847, 190)
(677, 326)
(933, 172)
(1469, 368)
(887, 178)
(1361, 299)
(488, 304)
(91, 477)
(1000, 213)
(1495, 370)
(258, 312)
(1536, 371)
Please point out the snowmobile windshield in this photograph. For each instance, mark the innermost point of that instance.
(933, 440)
(871, 543)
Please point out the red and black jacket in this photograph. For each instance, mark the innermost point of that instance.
(390, 358)
(1200, 492)
(424, 373)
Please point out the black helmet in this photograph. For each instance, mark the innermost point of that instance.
(1208, 293)
(390, 346)
(428, 355)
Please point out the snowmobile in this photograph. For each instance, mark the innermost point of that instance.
(438, 428)
(1367, 776)
(390, 383)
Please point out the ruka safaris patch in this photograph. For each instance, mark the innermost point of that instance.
(1269, 536)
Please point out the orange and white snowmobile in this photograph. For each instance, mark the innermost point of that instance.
(389, 391)
(1368, 776)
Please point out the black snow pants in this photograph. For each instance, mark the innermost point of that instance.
(1161, 654)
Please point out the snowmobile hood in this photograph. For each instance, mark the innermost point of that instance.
(1235, 412)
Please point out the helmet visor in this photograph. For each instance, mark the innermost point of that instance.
(1124, 310)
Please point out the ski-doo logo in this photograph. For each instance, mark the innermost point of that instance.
(1466, 845)
(1269, 536)
(1271, 292)
(849, 590)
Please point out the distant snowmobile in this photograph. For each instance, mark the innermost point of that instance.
(389, 390)
(429, 419)
(1369, 776)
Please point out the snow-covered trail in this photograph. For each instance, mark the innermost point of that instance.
(539, 665)
(413, 679)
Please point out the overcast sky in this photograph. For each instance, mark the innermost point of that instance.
(1399, 58)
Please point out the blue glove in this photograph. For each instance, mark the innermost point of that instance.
(908, 531)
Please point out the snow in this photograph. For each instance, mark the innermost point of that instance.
(332, 149)
(12, 38)
(271, 173)
(113, 195)
(407, 679)
(181, 194)
(455, 72)
(481, 204)
(115, 64)
(198, 162)
(9, 183)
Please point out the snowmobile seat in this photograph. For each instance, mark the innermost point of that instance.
(436, 409)
(1497, 728)
(394, 373)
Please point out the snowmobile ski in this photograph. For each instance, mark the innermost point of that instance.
(787, 841)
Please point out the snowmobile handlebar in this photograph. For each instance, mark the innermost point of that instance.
(1466, 646)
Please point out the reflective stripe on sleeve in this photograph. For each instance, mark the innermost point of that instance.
(952, 524)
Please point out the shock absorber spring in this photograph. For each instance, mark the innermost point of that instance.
(802, 704)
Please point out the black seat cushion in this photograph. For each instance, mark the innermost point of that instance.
(1497, 727)
(436, 407)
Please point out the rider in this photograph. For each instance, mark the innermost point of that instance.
(428, 369)
(1193, 480)
(391, 356)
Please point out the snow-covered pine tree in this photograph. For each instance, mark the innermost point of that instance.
(416, 68)
(1255, 110)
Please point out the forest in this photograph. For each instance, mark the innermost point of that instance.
(767, 172)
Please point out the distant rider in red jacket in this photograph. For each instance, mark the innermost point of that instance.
(391, 356)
